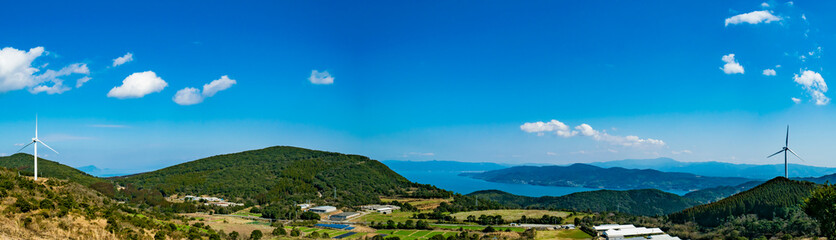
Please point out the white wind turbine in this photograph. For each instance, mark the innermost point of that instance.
(35, 141)
(785, 150)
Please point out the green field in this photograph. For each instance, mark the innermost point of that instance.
(563, 234)
(415, 234)
(477, 228)
(396, 216)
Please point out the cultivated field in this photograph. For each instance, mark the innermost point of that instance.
(563, 234)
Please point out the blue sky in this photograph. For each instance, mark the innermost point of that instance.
(452, 80)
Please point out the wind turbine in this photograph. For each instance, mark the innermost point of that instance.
(35, 141)
(785, 150)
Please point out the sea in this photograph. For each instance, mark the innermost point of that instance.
(450, 180)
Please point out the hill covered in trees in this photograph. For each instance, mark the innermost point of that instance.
(777, 198)
(714, 194)
(50, 169)
(584, 175)
(283, 173)
(646, 202)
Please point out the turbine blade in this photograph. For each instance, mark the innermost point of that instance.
(775, 153)
(796, 155)
(787, 142)
(21, 149)
(47, 146)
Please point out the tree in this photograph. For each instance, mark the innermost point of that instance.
(279, 231)
(314, 235)
(295, 232)
(233, 235)
(159, 235)
(309, 216)
(256, 235)
(489, 229)
(822, 206)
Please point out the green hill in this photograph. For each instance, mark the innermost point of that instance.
(647, 202)
(284, 173)
(24, 163)
(775, 198)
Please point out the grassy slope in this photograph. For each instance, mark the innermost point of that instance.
(24, 162)
(281, 172)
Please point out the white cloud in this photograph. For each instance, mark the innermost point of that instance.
(188, 96)
(191, 96)
(551, 153)
(555, 126)
(765, 5)
(814, 84)
(16, 68)
(16, 72)
(796, 100)
(753, 18)
(769, 72)
(123, 59)
(138, 85)
(81, 81)
(686, 151)
(731, 66)
(321, 77)
(218, 85)
(584, 129)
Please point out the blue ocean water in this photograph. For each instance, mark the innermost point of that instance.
(450, 180)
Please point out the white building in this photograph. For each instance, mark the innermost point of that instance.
(344, 216)
(304, 206)
(323, 209)
(613, 231)
(377, 207)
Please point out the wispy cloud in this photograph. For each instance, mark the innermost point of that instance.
(108, 126)
(410, 154)
(123, 59)
(322, 78)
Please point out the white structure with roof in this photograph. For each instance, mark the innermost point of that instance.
(323, 209)
(631, 232)
(607, 227)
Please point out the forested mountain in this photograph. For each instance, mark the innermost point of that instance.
(286, 173)
(714, 194)
(584, 175)
(718, 169)
(24, 162)
(647, 202)
(778, 197)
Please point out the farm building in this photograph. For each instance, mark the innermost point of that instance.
(304, 206)
(344, 216)
(613, 231)
(544, 226)
(378, 207)
(323, 209)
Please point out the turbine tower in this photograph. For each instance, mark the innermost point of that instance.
(785, 150)
(35, 141)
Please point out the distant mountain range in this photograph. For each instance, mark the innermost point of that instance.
(647, 202)
(443, 166)
(719, 169)
(588, 176)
